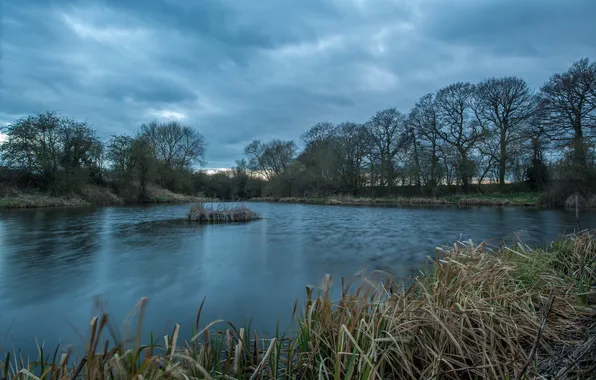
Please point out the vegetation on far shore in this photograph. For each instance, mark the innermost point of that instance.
(513, 199)
(519, 199)
(220, 213)
(89, 195)
(459, 144)
(508, 313)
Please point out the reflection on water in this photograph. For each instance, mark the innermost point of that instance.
(54, 262)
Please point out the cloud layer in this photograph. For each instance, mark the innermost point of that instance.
(239, 70)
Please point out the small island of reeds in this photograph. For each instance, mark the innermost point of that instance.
(220, 213)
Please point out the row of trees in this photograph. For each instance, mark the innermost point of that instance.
(497, 131)
(59, 154)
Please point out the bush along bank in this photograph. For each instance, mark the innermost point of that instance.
(91, 195)
(479, 313)
(522, 199)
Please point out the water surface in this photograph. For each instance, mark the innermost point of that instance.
(55, 262)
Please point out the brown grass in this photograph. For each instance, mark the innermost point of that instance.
(221, 213)
(583, 202)
(456, 200)
(478, 314)
(34, 200)
(88, 195)
(98, 195)
(473, 201)
(156, 194)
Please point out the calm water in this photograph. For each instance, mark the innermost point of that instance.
(53, 263)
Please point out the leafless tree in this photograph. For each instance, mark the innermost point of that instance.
(270, 158)
(568, 104)
(424, 120)
(175, 146)
(458, 126)
(389, 135)
(503, 106)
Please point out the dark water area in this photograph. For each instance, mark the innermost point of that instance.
(54, 263)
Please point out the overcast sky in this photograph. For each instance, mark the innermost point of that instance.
(243, 69)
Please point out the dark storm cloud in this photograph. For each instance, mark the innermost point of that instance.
(515, 27)
(240, 70)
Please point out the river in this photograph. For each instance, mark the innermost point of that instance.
(56, 263)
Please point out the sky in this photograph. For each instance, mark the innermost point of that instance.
(238, 70)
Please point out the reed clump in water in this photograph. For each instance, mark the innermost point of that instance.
(510, 313)
(220, 213)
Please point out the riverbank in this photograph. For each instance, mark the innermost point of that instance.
(517, 199)
(88, 196)
(511, 313)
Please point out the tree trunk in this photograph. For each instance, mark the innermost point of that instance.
(502, 158)
(417, 164)
(433, 166)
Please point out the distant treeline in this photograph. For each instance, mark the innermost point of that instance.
(496, 135)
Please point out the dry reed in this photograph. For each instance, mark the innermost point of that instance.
(220, 213)
(461, 201)
(42, 200)
(583, 202)
(478, 314)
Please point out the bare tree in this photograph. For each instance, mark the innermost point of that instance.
(175, 146)
(353, 142)
(458, 126)
(389, 135)
(320, 155)
(318, 133)
(568, 104)
(424, 119)
(503, 106)
(119, 153)
(271, 158)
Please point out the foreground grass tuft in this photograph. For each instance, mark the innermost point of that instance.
(221, 213)
(509, 313)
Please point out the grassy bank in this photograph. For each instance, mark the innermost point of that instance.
(517, 199)
(202, 213)
(512, 313)
(88, 196)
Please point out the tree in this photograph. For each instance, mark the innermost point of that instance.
(144, 157)
(458, 126)
(52, 149)
(240, 178)
(537, 175)
(353, 142)
(568, 105)
(271, 158)
(175, 146)
(503, 106)
(120, 154)
(423, 118)
(320, 155)
(133, 162)
(389, 136)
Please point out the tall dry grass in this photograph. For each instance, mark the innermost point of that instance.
(478, 314)
(588, 202)
(37, 200)
(457, 200)
(220, 213)
(480, 201)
